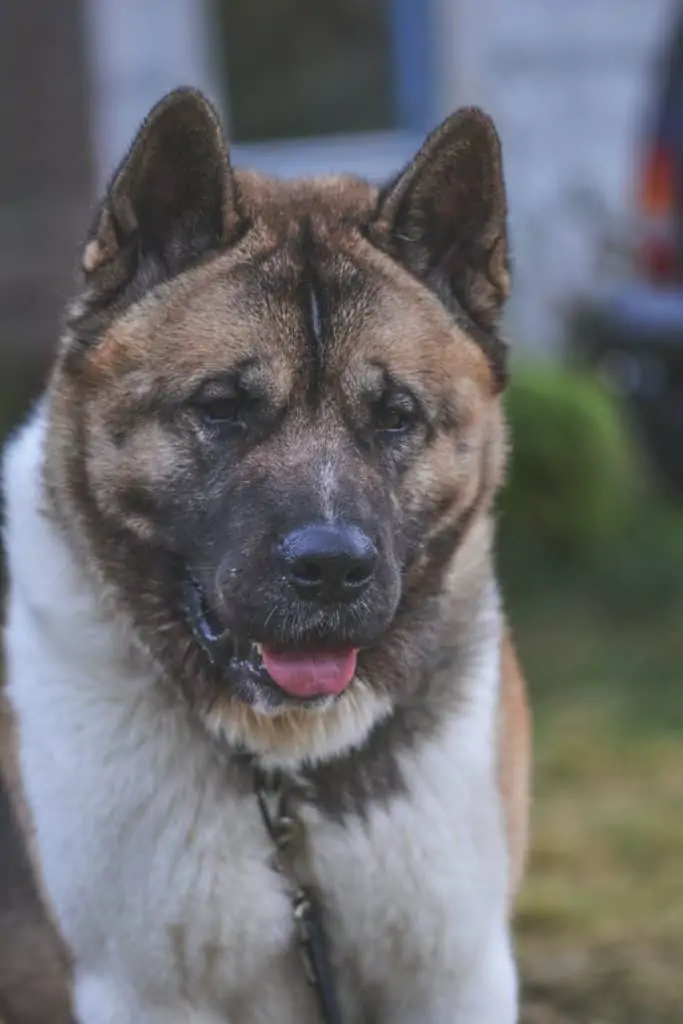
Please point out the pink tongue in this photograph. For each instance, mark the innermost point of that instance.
(311, 675)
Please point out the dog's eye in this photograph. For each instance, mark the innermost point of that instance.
(393, 419)
(220, 411)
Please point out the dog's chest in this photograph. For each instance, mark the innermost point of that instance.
(161, 871)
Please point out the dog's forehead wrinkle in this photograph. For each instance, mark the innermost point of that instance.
(316, 314)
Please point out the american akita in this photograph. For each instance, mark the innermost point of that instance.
(249, 532)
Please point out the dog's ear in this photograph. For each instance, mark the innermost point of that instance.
(445, 215)
(172, 198)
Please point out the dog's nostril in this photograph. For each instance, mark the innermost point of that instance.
(359, 574)
(308, 572)
(329, 562)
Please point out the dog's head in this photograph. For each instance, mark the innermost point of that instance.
(276, 412)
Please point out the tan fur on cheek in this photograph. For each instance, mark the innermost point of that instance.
(460, 469)
(446, 479)
(145, 462)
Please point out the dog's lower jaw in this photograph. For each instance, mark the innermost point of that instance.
(287, 736)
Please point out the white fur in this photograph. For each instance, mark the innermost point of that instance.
(328, 488)
(158, 870)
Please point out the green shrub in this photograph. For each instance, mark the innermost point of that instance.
(573, 476)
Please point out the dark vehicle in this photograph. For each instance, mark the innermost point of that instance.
(633, 332)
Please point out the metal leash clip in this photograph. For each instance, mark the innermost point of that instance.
(301, 909)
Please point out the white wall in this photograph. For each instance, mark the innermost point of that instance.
(567, 81)
(139, 50)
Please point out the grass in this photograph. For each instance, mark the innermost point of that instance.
(600, 921)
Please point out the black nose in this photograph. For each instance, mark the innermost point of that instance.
(329, 562)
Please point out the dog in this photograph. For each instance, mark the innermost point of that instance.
(261, 696)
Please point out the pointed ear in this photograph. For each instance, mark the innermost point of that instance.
(173, 197)
(444, 217)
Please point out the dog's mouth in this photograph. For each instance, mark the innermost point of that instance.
(308, 674)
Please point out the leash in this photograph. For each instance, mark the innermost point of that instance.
(306, 911)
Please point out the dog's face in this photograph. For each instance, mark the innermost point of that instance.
(276, 413)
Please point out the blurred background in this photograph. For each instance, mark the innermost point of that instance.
(588, 97)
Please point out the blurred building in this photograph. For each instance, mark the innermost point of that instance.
(308, 87)
(354, 84)
(569, 84)
(45, 178)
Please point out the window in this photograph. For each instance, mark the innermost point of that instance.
(298, 68)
